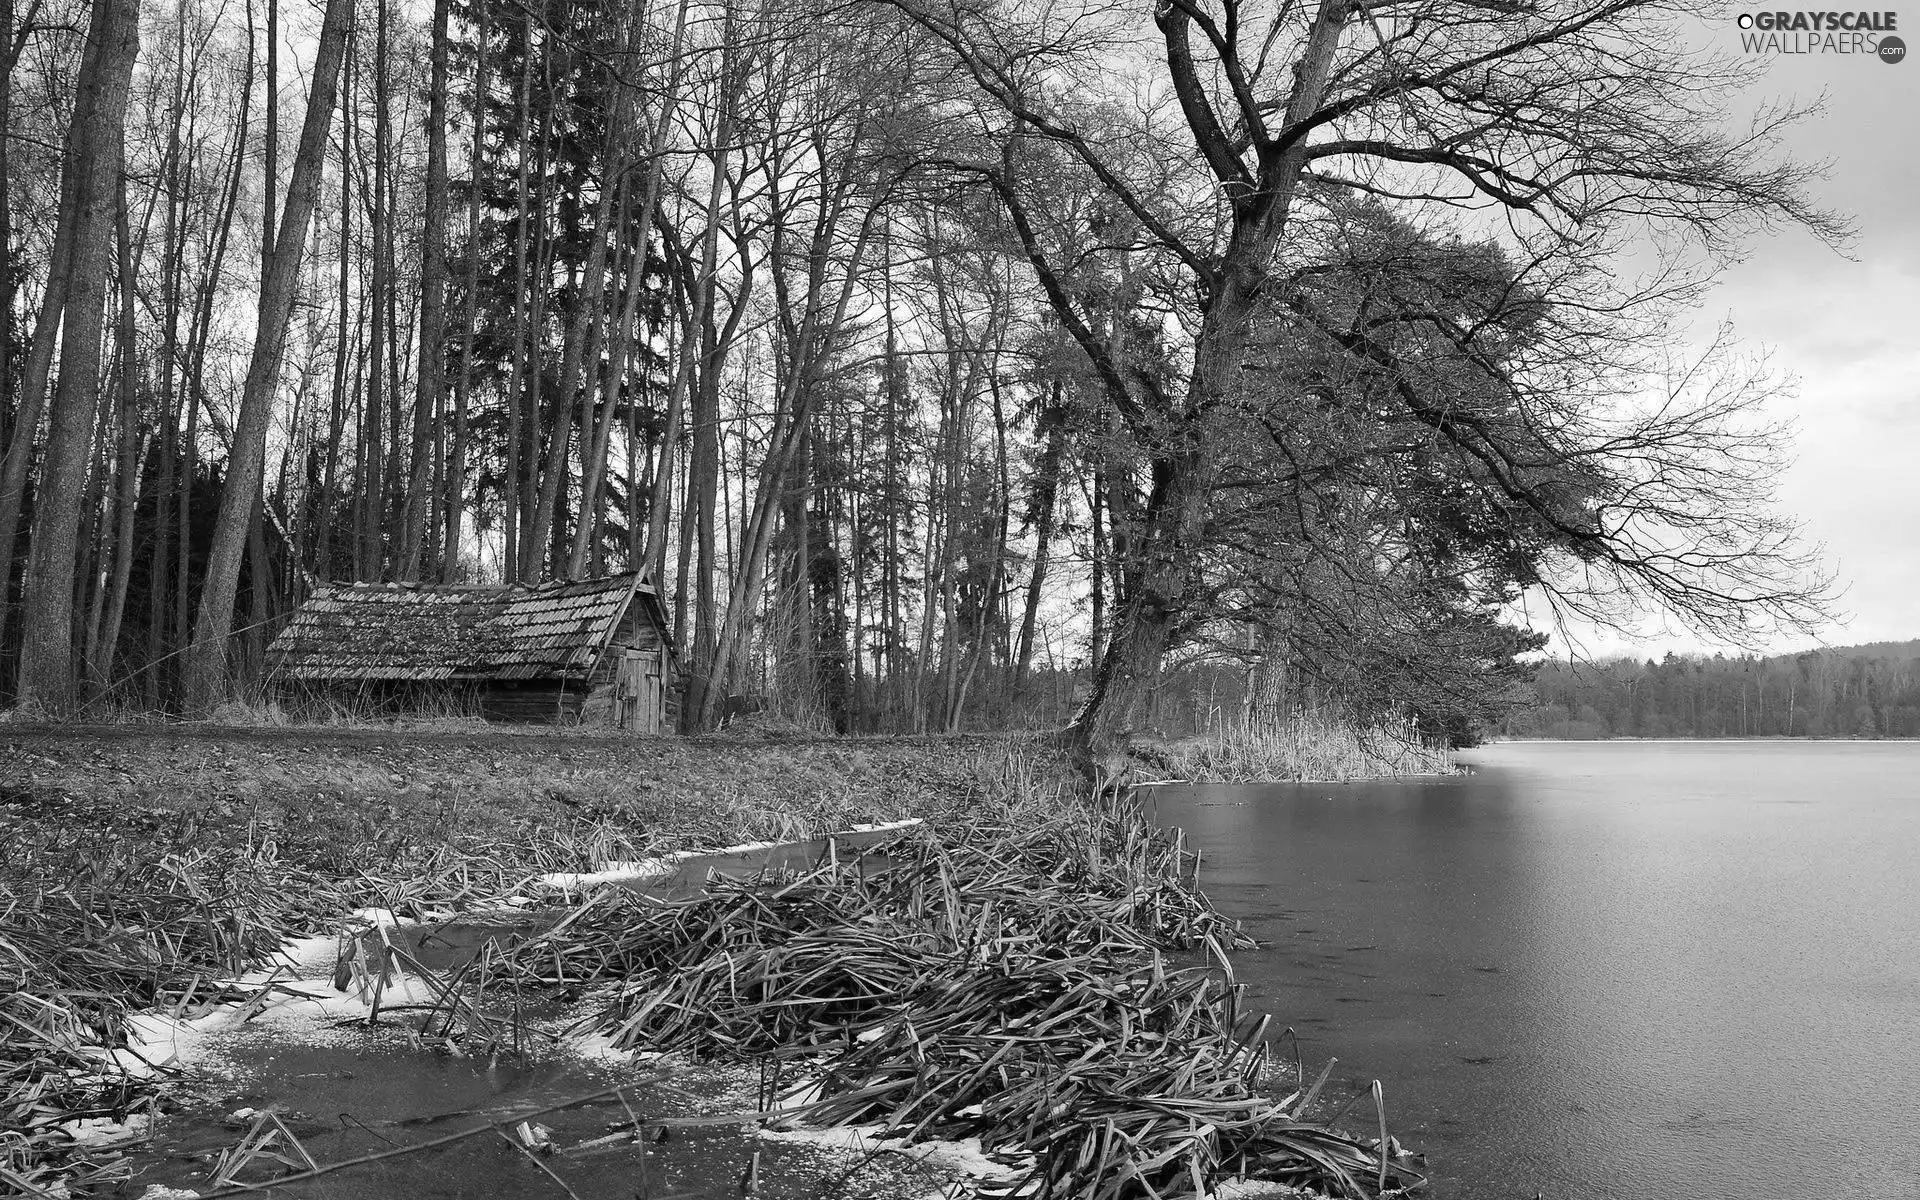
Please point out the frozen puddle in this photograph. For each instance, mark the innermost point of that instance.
(338, 1091)
(297, 1076)
(371, 1093)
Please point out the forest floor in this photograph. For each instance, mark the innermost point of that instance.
(378, 790)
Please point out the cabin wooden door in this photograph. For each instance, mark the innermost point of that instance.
(638, 691)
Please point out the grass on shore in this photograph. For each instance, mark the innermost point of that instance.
(1310, 747)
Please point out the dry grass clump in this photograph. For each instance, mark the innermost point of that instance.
(1009, 985)
(87, 937)
(1308, 747)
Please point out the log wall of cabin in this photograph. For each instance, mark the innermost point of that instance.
(537, 701)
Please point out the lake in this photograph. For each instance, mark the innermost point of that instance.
(1602, 971)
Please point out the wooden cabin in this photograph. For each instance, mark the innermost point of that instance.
(587, 651)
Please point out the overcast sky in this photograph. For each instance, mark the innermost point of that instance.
(1850, 332)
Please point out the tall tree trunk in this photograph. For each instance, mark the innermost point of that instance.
(189, 401)
(431, 384)
(207, 664)
(637, 274)
(523, 340)
(374, 447)
(893, 634)
(270, 178)
(28, 401)
(818, 330)
(92, 155)
(1175, 518)
(696, 368)
(1097, 559)
(1167, 532)
(95, 553)
(456, 492)
(386, 154)
(1269, 699)
(133, 452)
(346, 334)
(7, 61)
(534, 550)
(1046, 505)
(10, 47)
(587, 299)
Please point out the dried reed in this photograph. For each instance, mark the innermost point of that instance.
(1309, 746)
(1011, 984)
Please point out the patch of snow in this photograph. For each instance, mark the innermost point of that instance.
(599, 1047)
(160, 1191)
(389, 918)
(300, 955)
(857, 1138)
(909, 823)
(301, 1002)
(156, 1041)
(1246, 1189)
(617, 871)
(105, 1131)
(963, 1157)
(968, 1157)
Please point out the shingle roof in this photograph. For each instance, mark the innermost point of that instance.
(407, 631)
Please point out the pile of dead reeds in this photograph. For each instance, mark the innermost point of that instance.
(1012, 986)
(99, 921)
(80, 948)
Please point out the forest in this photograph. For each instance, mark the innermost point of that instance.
(1852, 691)
(945, 365)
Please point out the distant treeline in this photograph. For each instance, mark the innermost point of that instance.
(1854, 691)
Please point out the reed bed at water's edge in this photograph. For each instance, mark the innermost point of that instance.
(1008, 981)
(1011, 977)
(1308, 747)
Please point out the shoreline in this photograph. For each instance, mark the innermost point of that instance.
(585, 804)
(1779, 739)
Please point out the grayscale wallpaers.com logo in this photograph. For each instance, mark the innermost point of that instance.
(1822, 33)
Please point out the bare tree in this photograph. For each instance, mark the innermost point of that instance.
(430, 396)
(90, 198)
(1578, 124)
(207, 661)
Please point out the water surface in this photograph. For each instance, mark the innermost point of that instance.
(1603, 971)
